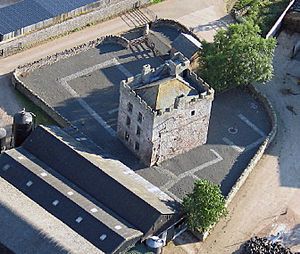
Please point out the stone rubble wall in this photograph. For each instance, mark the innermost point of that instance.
(29, 67)
(114, 8)
(174, 24)
(256, 158)
(260, 152)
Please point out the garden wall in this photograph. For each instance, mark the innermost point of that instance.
(106, 11)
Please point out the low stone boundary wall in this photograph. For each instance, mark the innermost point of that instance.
(256, 158)
(29, 67)
(270, 137)
(174, 24)
(105, 12)
(20, 86)
(70, 52)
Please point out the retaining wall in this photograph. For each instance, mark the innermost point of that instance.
(29, 67)
(105, 12)
(174, 24)
(270, 137)
(256, 158)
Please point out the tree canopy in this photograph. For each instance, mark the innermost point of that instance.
(204, 206)
(238, 56)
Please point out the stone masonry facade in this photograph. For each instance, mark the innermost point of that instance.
(157, 134)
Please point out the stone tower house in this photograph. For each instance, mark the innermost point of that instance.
(165, 111)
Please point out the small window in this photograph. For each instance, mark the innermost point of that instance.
(137, 146)
(126, 136)
(193, 112)
(129, 107)
(140, 117)
(128, 121)
(103, 237)
(29, 183)
(138, 131)
(55, 202)
(79, 219)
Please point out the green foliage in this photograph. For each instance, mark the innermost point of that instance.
(204, 206)
(156, 1)
(238, 56)
(263, 13)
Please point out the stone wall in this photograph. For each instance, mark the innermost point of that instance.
(174, 24)
(29, 67)
(181, 129)
(256, 158)
(273, 117)
(127, 95)
(106, 11)
(20, 86)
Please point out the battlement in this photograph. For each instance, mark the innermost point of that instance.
(178, 68)
(126, 89)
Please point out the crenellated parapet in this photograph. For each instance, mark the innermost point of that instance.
(174, 67)
(126, 90)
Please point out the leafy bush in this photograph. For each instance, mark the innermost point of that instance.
(238, 56)
(204, 206)
(264, 13)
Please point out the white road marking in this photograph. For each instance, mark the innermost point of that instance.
(87, 108)
(192, 171)
(113, 111)
(121, 67)
(251, 125)
(255, 144)
(233, 146)
(64, 82)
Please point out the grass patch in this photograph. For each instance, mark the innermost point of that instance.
(41, 116)
(264, 13)
(156, 1)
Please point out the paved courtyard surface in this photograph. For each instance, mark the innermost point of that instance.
(85, 90)
(268, 202)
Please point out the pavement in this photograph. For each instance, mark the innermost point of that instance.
(85, 90)
(42, 232)
(206, 16)
(268, 202)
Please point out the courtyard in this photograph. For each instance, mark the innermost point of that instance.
(85, 90)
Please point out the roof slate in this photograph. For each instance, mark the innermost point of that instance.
(111, 183)
(45, 189)
(163, 93)
(187, 45)
(29, 12)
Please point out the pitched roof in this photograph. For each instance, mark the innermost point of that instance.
(162, 94)
(160, 42)
(187, 45)
(29, 12)
(100, 226)
(108, 181)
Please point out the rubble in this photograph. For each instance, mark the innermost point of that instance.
(257, 245)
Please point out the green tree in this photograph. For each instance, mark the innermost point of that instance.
(204, 206)
(238, 56)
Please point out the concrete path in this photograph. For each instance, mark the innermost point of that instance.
(203, 16)
(269, 200)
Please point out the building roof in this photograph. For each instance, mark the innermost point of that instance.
(108, 181)
(187, 45)
(100, 226)
(29, 12)
(161, 43)
(162, 94)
